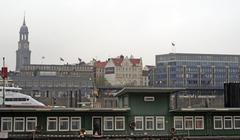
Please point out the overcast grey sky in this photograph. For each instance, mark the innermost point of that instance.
(107, 28)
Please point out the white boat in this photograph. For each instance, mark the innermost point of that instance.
(14, 98)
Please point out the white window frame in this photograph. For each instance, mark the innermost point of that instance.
(123, 119)
(156, 122)
(236, 118)
(152, 120)
(141, 118)
(199, 118)
(188, 118)
(56, 118)
(225, 119)
(214, 119)
(105, 120)
(10, 120)
(180, 118)
(14, 125)
(80, 122)
(149, 98)
(59, 122)
(27, 121)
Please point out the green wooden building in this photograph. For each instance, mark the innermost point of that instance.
(141, 113)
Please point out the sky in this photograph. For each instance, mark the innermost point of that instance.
(102, 29)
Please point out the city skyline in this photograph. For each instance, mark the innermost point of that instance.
(103, 29)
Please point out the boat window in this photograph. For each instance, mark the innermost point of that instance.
(6, 124)
(31, 123)
(108, 123)
(75, 123)
(19, 124)
(16, 99)
(120, 123)
(160, 123)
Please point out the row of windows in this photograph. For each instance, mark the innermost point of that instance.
(196, 68)
(220, 122)
(133, 68)
(57, 68)
(198, 57)
(186, 122)
(62, 123)
(226, 122)
(21, 124)
(151, 123)
(17, 124)
(118, 125)
(16, 99)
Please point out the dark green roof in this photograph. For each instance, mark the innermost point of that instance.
(157, 90)
(206, 110)
(52, 109)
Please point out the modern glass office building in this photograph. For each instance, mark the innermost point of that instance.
(196, 70)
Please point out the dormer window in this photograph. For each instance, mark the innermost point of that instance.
(149, 98)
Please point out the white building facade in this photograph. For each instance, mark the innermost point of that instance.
(124, 71)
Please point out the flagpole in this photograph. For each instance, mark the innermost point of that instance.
(173, 48)
(43, 57)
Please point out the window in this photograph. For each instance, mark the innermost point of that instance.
(236, 122)
(52, 124)
(199, 122)
(218, 122)
(138, 123)
(6, 124)
(188, 121)
(19, 123)
(178, 122)
(31, 123)
(119, 123)
(160, 125)
(149, 98)
(108, 123)
(149, 123)
(75, 123)
(228, 122)
(63, 123)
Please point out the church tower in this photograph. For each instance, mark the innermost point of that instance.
(23, 54)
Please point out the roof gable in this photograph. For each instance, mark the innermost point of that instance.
(100, 64)
(118, 61)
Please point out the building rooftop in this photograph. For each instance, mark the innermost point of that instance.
(205, 54)
(156, 90)
(118, 61)
(206, 110)
(99, 64)
(61, 109)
